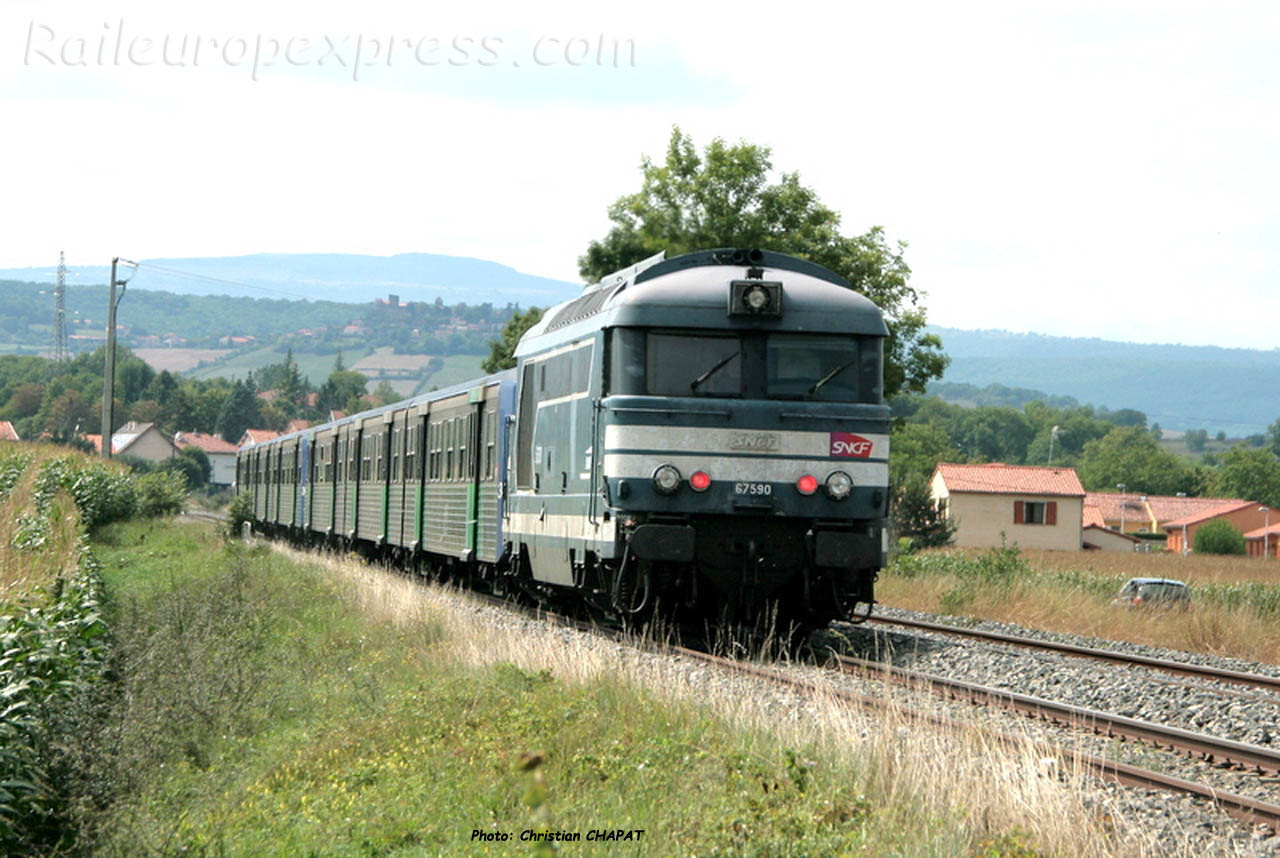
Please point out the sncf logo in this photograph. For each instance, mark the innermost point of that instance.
(846, 445)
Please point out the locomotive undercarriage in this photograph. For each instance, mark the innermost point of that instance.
(715, 569)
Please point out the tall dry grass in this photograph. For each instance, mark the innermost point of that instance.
(1078, 600)
(22, 569)
(916, 774)
(1193, 568)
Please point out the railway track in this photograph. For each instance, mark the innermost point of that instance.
(1218, 751)
(1198, 671)
(1210, 749)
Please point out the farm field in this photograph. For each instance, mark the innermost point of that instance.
(315, 368)
(456, 369)
(178, 360)
(1235, 610)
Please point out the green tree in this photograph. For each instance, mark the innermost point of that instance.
(1196, 439)
(502, 351)
(70, 414)
(917, 448)
(723, 198)
(1249, 474)
(240, 410)
(1218, 537)
(914, 514)
(1129, 455)
(1273, 438)
(992, 434)
(343, 390)
(385, 394)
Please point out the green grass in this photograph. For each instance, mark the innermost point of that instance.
(456, 369)
(266, 716)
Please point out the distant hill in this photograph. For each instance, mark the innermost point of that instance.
(1179, 387)
(342, 277)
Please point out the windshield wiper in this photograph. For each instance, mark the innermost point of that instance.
(719, 366)
(841, 368)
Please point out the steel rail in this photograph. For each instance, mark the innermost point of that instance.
(1242, 807)
(1181, 668)
(1224, 752)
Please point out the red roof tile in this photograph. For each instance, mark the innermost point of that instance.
(997, 478)
(1222, 508)
(208, 443)
(7, 432)
(1163, 508)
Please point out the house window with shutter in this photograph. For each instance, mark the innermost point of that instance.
(1035, 512)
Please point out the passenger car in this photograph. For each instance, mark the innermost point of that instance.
(1153, 592)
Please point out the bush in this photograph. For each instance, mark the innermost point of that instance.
(240, 511)
(161, 493)
(1219, 537)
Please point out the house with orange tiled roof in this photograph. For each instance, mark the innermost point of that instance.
(1033, 507)
(256, 436)
(221, 454)
(1147, 514)
(7, 432)
(1244, 516)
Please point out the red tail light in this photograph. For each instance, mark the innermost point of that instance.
(807, 485)
(700, 481)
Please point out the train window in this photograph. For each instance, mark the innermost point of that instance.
(800, 366)
(688, 365)
(524, 430)
(410, 453)
(465, 428)
(451, 445)
(491, 445)
(626, 361)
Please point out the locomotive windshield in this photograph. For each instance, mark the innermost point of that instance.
(825, 367)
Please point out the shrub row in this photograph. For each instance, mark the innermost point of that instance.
(53, 640)
(52, 654)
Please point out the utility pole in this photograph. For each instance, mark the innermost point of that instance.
(109, 371)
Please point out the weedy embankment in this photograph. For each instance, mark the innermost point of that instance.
(290, 705)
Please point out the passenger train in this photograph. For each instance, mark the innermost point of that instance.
(705, 434)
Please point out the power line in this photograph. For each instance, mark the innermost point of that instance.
(177, 273)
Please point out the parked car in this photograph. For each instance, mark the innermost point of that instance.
(1153, 592)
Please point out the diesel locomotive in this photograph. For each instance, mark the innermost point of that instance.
(705, 434)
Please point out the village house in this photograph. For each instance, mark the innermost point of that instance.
(1146, 514)
(1245, 516)
(7, 432)
(1033, 507)
(1263, 542)
(252, 437)
(221, 454)
(140, 440)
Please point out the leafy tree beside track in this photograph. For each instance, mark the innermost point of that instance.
(723, 198)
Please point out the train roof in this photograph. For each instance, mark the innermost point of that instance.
(432, 396)
(691, 291)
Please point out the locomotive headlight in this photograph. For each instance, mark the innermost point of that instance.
(666, 479)
(839, 484)
(756, 299)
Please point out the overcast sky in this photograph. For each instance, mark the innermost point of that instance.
(1082, 169)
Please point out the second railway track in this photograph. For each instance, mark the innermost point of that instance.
(1179, 668)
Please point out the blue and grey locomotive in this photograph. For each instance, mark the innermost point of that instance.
(705, 433)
